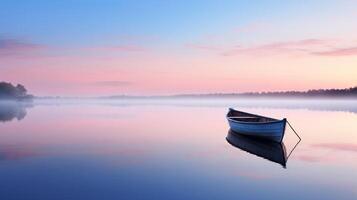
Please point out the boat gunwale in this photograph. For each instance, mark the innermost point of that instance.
(229, 118)
(272, 122)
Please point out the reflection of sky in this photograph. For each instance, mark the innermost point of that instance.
(100, 151)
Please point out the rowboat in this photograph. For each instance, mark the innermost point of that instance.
(268, 150)
(256, 125)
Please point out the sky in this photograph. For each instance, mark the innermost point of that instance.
(163, 47)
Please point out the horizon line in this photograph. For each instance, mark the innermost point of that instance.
(285, 93)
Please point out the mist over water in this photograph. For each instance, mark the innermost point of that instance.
(172, 149)
(348, 105)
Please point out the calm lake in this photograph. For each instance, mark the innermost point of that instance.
(172, 149)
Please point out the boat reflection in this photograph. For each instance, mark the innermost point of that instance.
(269, 150)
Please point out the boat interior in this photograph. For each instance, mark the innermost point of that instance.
(247, 117)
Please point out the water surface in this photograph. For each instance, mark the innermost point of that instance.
(172, 150)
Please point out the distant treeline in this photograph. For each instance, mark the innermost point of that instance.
(328, 93)
(347, 92)
(9, 91)
(320, 93)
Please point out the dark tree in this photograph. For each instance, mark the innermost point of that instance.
(8, 91)
(21, 89)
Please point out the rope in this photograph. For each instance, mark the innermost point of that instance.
(296, 143)
(293, 130)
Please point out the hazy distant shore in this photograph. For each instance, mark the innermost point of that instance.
(18, 92)
(198, 97)
(347, 93)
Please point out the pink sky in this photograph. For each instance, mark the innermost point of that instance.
(288, 65)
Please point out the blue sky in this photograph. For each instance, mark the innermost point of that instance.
(93, 21)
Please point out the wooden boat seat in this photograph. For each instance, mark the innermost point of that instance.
(251, 119)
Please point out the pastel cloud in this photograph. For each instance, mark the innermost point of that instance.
(312, 47)
(9, 46)
(18, 47)
(278, 47)
(338, 52)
